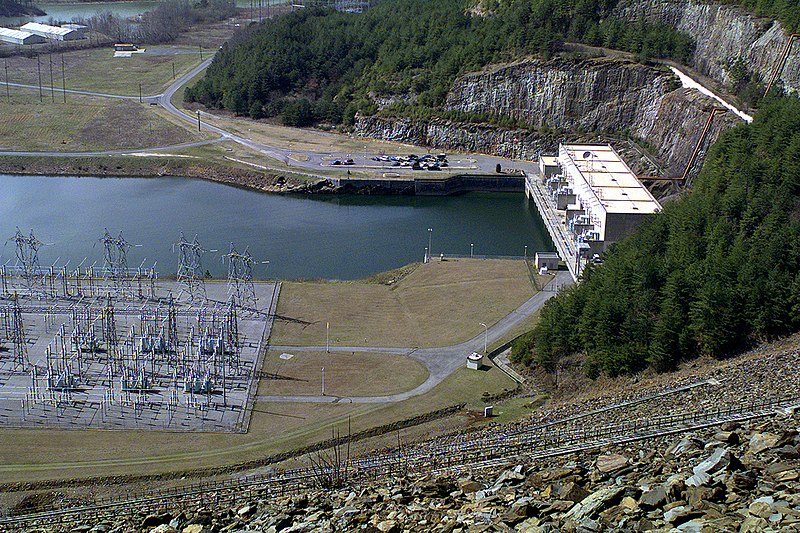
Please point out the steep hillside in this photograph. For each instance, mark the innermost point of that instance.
(545, 97)
(10, 8)
(711, 274)
(730, 42)
(322, 65)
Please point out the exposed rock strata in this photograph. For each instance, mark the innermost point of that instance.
(723, 34)
(594, 95)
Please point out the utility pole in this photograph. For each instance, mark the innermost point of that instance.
(63, 79)
(173, 70)
(140, 92)
(39, 70)
(52, 89)
(201, 52)
(8, 89)
(198, 121)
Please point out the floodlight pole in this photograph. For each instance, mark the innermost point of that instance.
(471, 246)
(323, 381)
(430, 236)
(485, 338)
(327, 337)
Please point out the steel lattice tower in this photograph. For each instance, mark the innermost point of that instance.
(240, 278)
(28, 258)
(115, 260)
(190, 268)
(18, 335)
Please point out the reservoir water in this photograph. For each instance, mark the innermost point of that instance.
(84, 10)
(331, 237)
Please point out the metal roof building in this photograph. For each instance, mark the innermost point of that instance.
(608, 195)
(52, 32)
(19, 37)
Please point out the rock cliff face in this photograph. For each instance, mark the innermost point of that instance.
(602, 96)
(723, 34)
(587, 95)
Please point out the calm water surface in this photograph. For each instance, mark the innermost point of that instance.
(67, 12)
(332, 237)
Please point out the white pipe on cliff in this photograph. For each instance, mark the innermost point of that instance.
(690, 83)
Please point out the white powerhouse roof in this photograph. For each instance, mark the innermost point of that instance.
(612, 183)
(35, 27)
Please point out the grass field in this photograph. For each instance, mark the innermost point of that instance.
(27, 455)
(346, 374)
(83, 124)
(435, 304)
(97, 70)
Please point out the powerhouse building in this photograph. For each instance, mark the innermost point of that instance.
(601, 197)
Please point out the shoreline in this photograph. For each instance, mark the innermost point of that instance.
(276, 182)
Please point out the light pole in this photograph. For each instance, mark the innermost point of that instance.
(485, 338)
(526, 252)
(198, 121)
(471, 246)
(323, 381)
(425, 259)
(430, 236)
(327, 337)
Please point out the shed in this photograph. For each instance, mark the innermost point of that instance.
(8, 35)
(80, 28)
(476, 361)
(546, 260)
(54, 33)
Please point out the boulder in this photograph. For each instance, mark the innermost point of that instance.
(611, 463)
(760, 442)
(468, 486)
(653, 498)
(594, 503)
(164, 528)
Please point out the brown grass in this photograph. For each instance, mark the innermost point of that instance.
(346, 374)
(437, 304)
(83, 124)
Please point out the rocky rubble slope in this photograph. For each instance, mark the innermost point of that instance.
(736, 476)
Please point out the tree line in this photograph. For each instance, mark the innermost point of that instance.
(164, 23)
(320, 65)
(712, 274)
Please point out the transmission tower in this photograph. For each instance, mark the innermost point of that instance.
(28, 258)
(115, 261)
(18, 335)
(240, 278)
(110, 334)
(190, 268)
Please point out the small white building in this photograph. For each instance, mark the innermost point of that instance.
(54, 33)
(10, 36)
(546, 261)
(476, 361)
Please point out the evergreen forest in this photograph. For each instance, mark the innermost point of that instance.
(320, 65)
(714, 273)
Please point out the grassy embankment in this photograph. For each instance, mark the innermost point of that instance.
(477, 291)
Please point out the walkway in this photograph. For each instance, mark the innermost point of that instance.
(440, 362)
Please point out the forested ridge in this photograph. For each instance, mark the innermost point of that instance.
(10, 8)
(786, 11)
(713, 273)
(322, 65)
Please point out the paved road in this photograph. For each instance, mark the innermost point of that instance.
(440, 362)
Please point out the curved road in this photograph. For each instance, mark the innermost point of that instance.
(440, 362)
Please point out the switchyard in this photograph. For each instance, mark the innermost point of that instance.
(118, 348)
